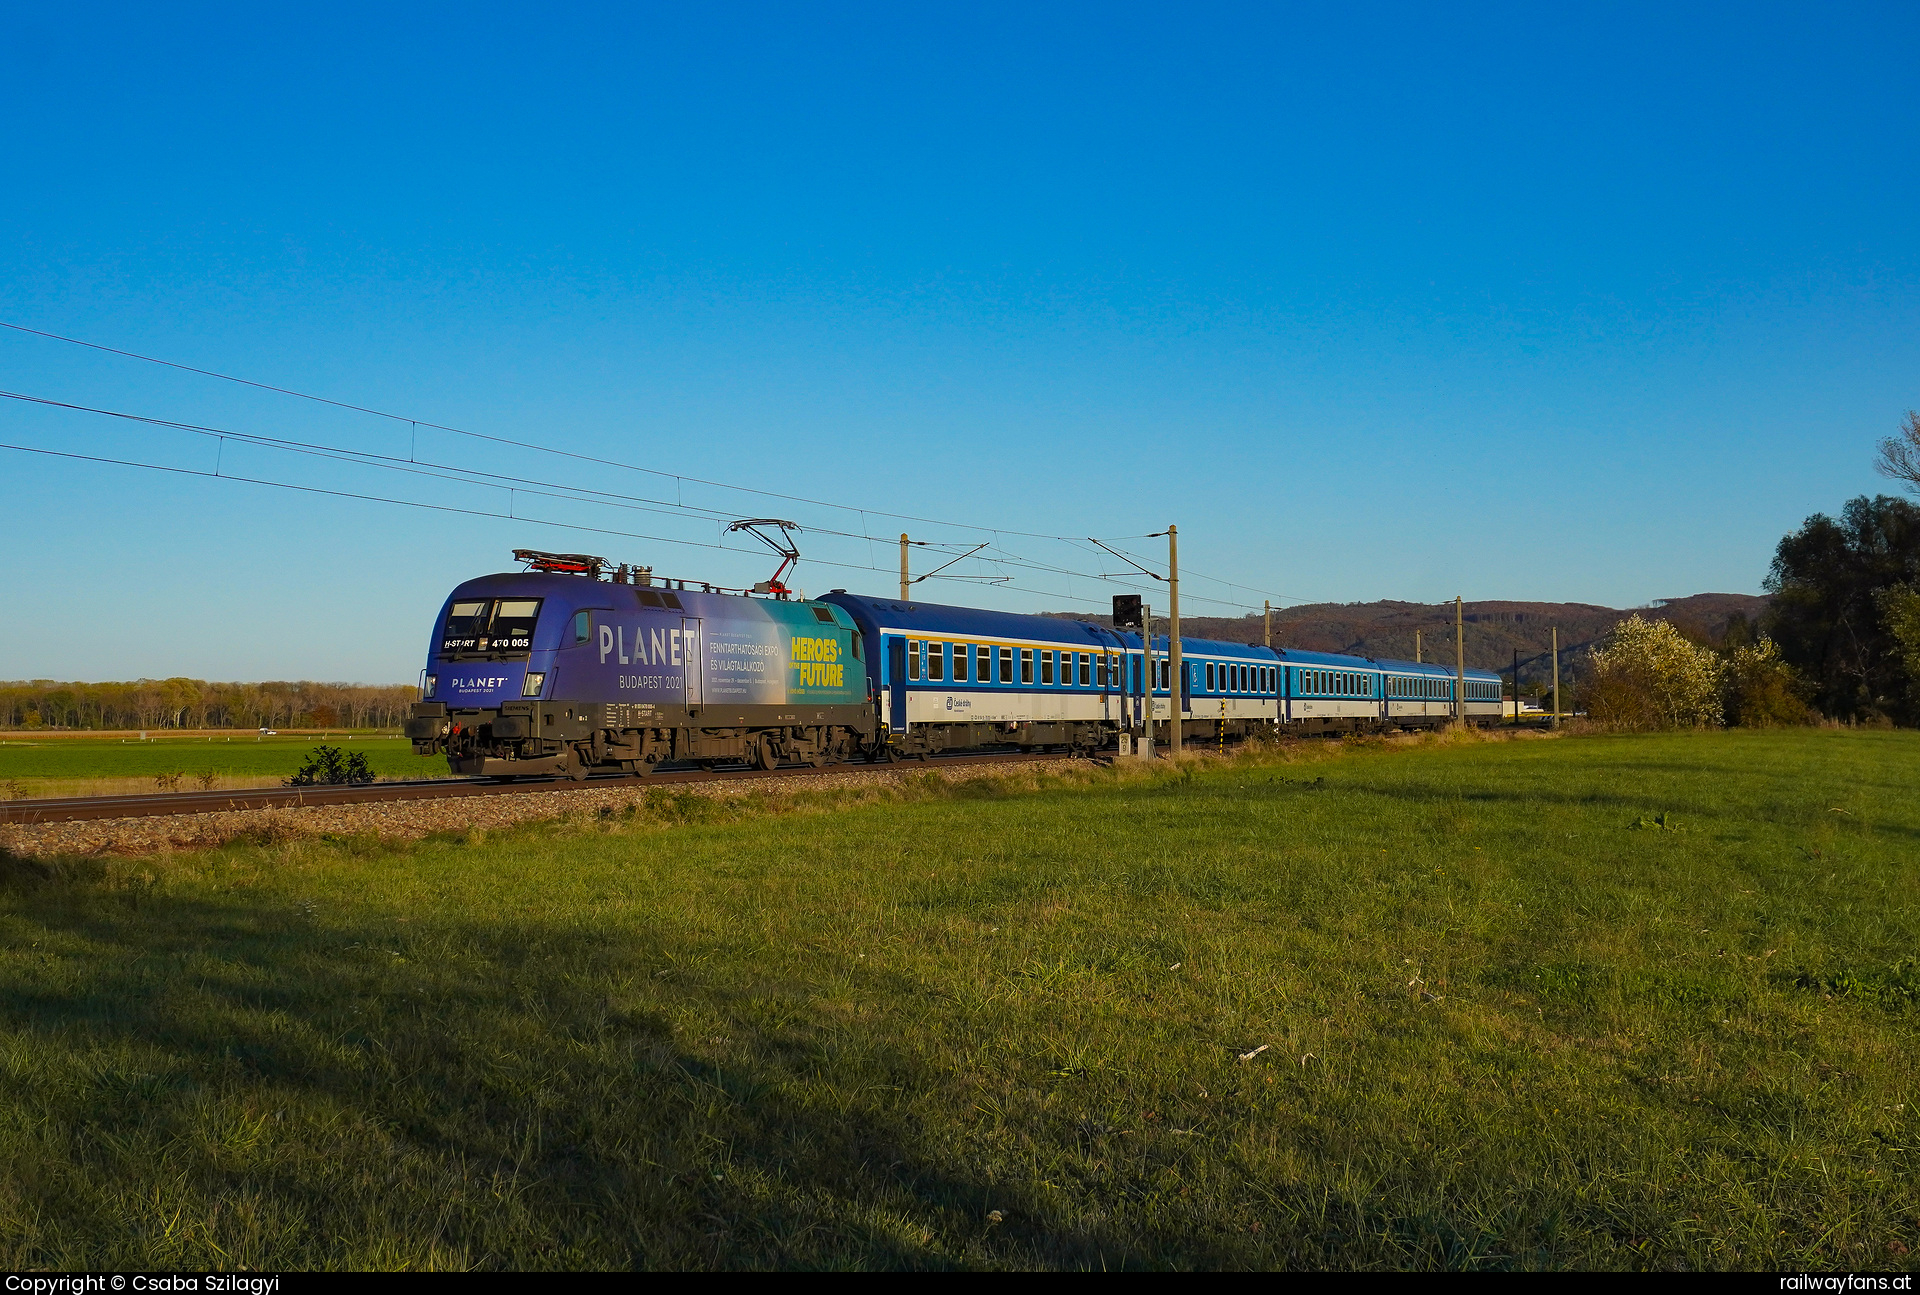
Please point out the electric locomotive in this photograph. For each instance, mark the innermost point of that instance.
(556, 670)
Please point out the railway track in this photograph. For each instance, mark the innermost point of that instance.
(79, 808)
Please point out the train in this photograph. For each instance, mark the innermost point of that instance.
(574, 665)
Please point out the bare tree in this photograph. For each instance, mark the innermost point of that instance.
(1900, 455)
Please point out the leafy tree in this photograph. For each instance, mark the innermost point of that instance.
(1646, 675)
(1827, 617)
(1900, 612)
(329, 766)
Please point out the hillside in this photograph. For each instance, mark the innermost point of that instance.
(1495, 629)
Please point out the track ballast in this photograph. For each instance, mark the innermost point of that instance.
(80, 808)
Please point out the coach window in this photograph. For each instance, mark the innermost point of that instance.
(1086, 669)
(1046, 667)
(983, 663)
(960, 651)
(936, 661)
(1006, 665)
(1209, 676)
(913, 658)
(1026, 665)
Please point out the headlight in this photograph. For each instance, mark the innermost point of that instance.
(433, 681)
(536, 680)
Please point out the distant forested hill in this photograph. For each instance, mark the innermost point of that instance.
(1494, 630)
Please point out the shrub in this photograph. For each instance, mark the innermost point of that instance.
(329, 766)
(1647, 676)
(1763, 691)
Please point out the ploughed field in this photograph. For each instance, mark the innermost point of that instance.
(84, 766)
(1633, 1002)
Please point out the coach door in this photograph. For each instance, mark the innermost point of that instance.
(897, 684)
(693, 661)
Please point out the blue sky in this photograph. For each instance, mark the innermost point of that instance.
(1373, 302)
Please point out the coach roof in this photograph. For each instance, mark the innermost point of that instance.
(970, 622)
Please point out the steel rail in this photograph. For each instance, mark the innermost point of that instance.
(81, 808)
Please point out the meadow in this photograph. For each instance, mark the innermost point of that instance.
(41, 766)
(1595, 1002)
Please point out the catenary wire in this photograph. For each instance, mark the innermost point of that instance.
(545, 449)
(576, 494)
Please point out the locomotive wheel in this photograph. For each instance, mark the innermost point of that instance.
(577, 769)
(763, 756)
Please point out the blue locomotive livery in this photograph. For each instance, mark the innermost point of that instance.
(575, 665)
(545, 672)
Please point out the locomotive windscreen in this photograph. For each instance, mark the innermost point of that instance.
(490, 625)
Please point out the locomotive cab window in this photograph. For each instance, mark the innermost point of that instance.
(466, 621)
(822, 615)
(580, 634)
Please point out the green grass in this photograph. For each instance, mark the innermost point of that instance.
(30, 761)
(995, 1026)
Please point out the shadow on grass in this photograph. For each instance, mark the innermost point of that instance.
(235, 1084)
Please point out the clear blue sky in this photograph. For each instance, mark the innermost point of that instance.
(1372, 302)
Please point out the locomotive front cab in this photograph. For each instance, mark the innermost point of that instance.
(479, 691)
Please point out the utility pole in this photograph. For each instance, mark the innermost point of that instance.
(1459, 664)
(1174, 665)
(1416, 647)
(1516, 685)
(1556, 677)
(1267, 637)
(903, 566)
(1146, 680)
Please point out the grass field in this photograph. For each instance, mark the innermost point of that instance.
(80, 766)
(1637, 1002)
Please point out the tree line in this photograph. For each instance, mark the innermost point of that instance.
(1840, 640)
(195, 703)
